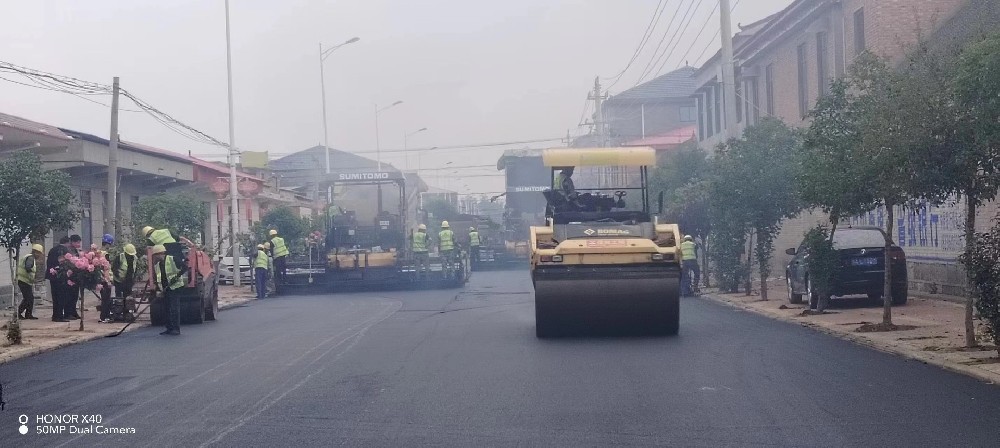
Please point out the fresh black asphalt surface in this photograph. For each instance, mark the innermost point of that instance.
(463, 368)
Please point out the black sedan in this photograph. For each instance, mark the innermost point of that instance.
(862, 269)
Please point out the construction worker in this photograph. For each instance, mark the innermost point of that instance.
(170, 280)
(689, 266)
(474, 243)
(107, 243)
(27, 266)
(564, 183)
(446, 247)
(57, 289)
(420, 256)
(261, 264)
(169, 240)
(280, 253)
(123, 268)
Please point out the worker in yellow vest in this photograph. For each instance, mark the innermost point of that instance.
(420, 255)
(261, 266)
(446, 247)
(280, 253)
(27, 267)
(169, 282)
(474, 243)
(690, 274)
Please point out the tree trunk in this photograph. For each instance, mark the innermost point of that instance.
(970, 230)
(704, 265)
(749, 270)
(762, 270)
(887, 291)
(13, 281)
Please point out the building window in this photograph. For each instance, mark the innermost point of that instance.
(753, 102)
(803, 83)
(688, 114)
(821, 67)
(739, 101)
(710, 115)
(769, 88)
(859, 31)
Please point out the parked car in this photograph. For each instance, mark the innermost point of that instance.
(226, 271)
(862, 268)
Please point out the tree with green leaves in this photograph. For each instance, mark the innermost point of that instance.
(182, 214)
(982, 262)
(33, 202)
(756, 175)
(290, 226)
(977, 100)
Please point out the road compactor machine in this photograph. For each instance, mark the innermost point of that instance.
(603, 264)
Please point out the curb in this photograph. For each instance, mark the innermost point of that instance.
(93, 336)
(979, 374)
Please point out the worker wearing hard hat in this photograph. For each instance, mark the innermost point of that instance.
(169, 240)
(169, 281)
(261, 266)
(280, 253)
(474, 243)
(690, 274)
(446, 247)
(420, 255)
(27, 267)
(123, 271)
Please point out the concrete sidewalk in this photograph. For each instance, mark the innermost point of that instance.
(43, 335)
(936, 337)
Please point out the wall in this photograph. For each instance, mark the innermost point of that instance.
(626, 119)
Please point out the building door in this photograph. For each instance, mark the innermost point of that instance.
(86, 221)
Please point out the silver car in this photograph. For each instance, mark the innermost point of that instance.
(226, 271)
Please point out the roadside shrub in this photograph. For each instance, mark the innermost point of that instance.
(824, 263)
(982, 264)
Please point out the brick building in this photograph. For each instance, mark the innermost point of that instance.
(785, 62)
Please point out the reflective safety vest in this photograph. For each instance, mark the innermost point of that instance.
(687, 251)
(474, 239)
(125, 261)
(447, 239)
(261, 260)
(161, 237)
(24, 273)
(175, 281)
(278, 248)
(420, 242)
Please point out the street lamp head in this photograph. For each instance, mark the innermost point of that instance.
(352, 40)
(421, 129)
(398, 102)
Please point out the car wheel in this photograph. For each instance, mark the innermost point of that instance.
(899, 296)
(793, 298)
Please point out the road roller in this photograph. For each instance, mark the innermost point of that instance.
(603, 263)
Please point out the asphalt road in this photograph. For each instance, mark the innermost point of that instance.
(463, 368)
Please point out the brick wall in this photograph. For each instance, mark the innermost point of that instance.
(626, 120)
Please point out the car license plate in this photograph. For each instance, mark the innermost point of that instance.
(867, 261)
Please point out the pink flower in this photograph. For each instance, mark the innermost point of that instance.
(52, 271)
(93, 247)
(90, 255)
(70, 282)
(90, 268)
(100, 287)
(69, 272)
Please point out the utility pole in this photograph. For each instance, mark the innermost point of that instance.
(111, 215)
(728, 69)
(234, 201)
(599, 124)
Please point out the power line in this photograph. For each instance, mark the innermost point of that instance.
(712, 40)
(702, 30)
(672, 45)
(653, 22)
(660, 44)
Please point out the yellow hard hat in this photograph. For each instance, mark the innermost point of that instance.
(130, 249)
(422, 227)
(146, 230)
(444, 224)
(37, 248)
(260, 246)
(266, 245)
(159, 249)
(273, 232)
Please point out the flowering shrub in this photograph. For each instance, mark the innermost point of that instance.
(90, 270)
(314, 239)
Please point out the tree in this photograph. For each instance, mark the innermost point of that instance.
(683, 166)
(756, 176)
(977, 96)
(290, 226)
(982, 262)
(33, 202)
(179, 213)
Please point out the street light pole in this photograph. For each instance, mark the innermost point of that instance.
(323, 54)
(234, 214)
(406, 155)
(378, 147)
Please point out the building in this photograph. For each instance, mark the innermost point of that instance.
(786, 62)
(657, 106)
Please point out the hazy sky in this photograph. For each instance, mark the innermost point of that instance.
(471, 71)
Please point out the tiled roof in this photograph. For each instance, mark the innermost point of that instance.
(33, 127)
(676, 84)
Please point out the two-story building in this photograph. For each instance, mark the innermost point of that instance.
(786, 62)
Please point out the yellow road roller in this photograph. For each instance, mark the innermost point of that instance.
(602, 263)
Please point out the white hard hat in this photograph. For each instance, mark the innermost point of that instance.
(422, 227)
(444, 224)
(688, 237)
